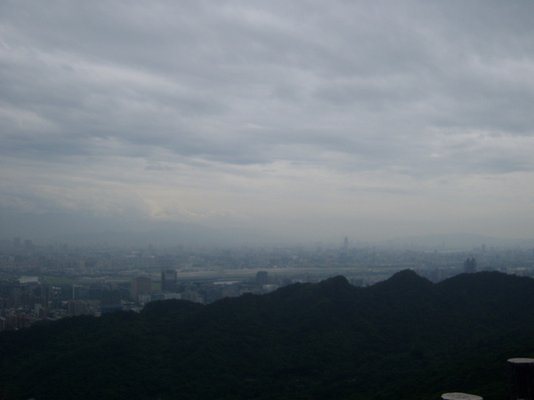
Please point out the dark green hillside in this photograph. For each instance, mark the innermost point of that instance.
(404, 338)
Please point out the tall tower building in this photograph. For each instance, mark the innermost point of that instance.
(168, 280)
(141, 286)
(470, 265)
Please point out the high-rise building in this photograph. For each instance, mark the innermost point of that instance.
(262, 278)
(470, 265)
(168, 280)
(79, 292)
(141, 286)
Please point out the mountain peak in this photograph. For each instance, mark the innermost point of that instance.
(335, 282)
(405, 274)
(405, 279)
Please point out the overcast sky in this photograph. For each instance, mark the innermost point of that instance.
(294, 120)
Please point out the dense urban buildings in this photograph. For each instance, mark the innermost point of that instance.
(50, 282)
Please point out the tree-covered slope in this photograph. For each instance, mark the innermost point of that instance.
(405, 338)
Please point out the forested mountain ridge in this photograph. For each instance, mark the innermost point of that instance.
(405, 338)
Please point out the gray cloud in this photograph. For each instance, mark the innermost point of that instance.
(238, 97)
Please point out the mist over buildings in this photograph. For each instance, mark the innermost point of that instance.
(238, 122)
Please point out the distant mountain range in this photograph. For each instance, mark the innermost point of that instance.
(404, 338)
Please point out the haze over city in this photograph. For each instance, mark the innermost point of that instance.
(262, 122)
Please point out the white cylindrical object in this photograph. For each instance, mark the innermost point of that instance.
(460, 396)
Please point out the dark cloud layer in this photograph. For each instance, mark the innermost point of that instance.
(215, 98)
